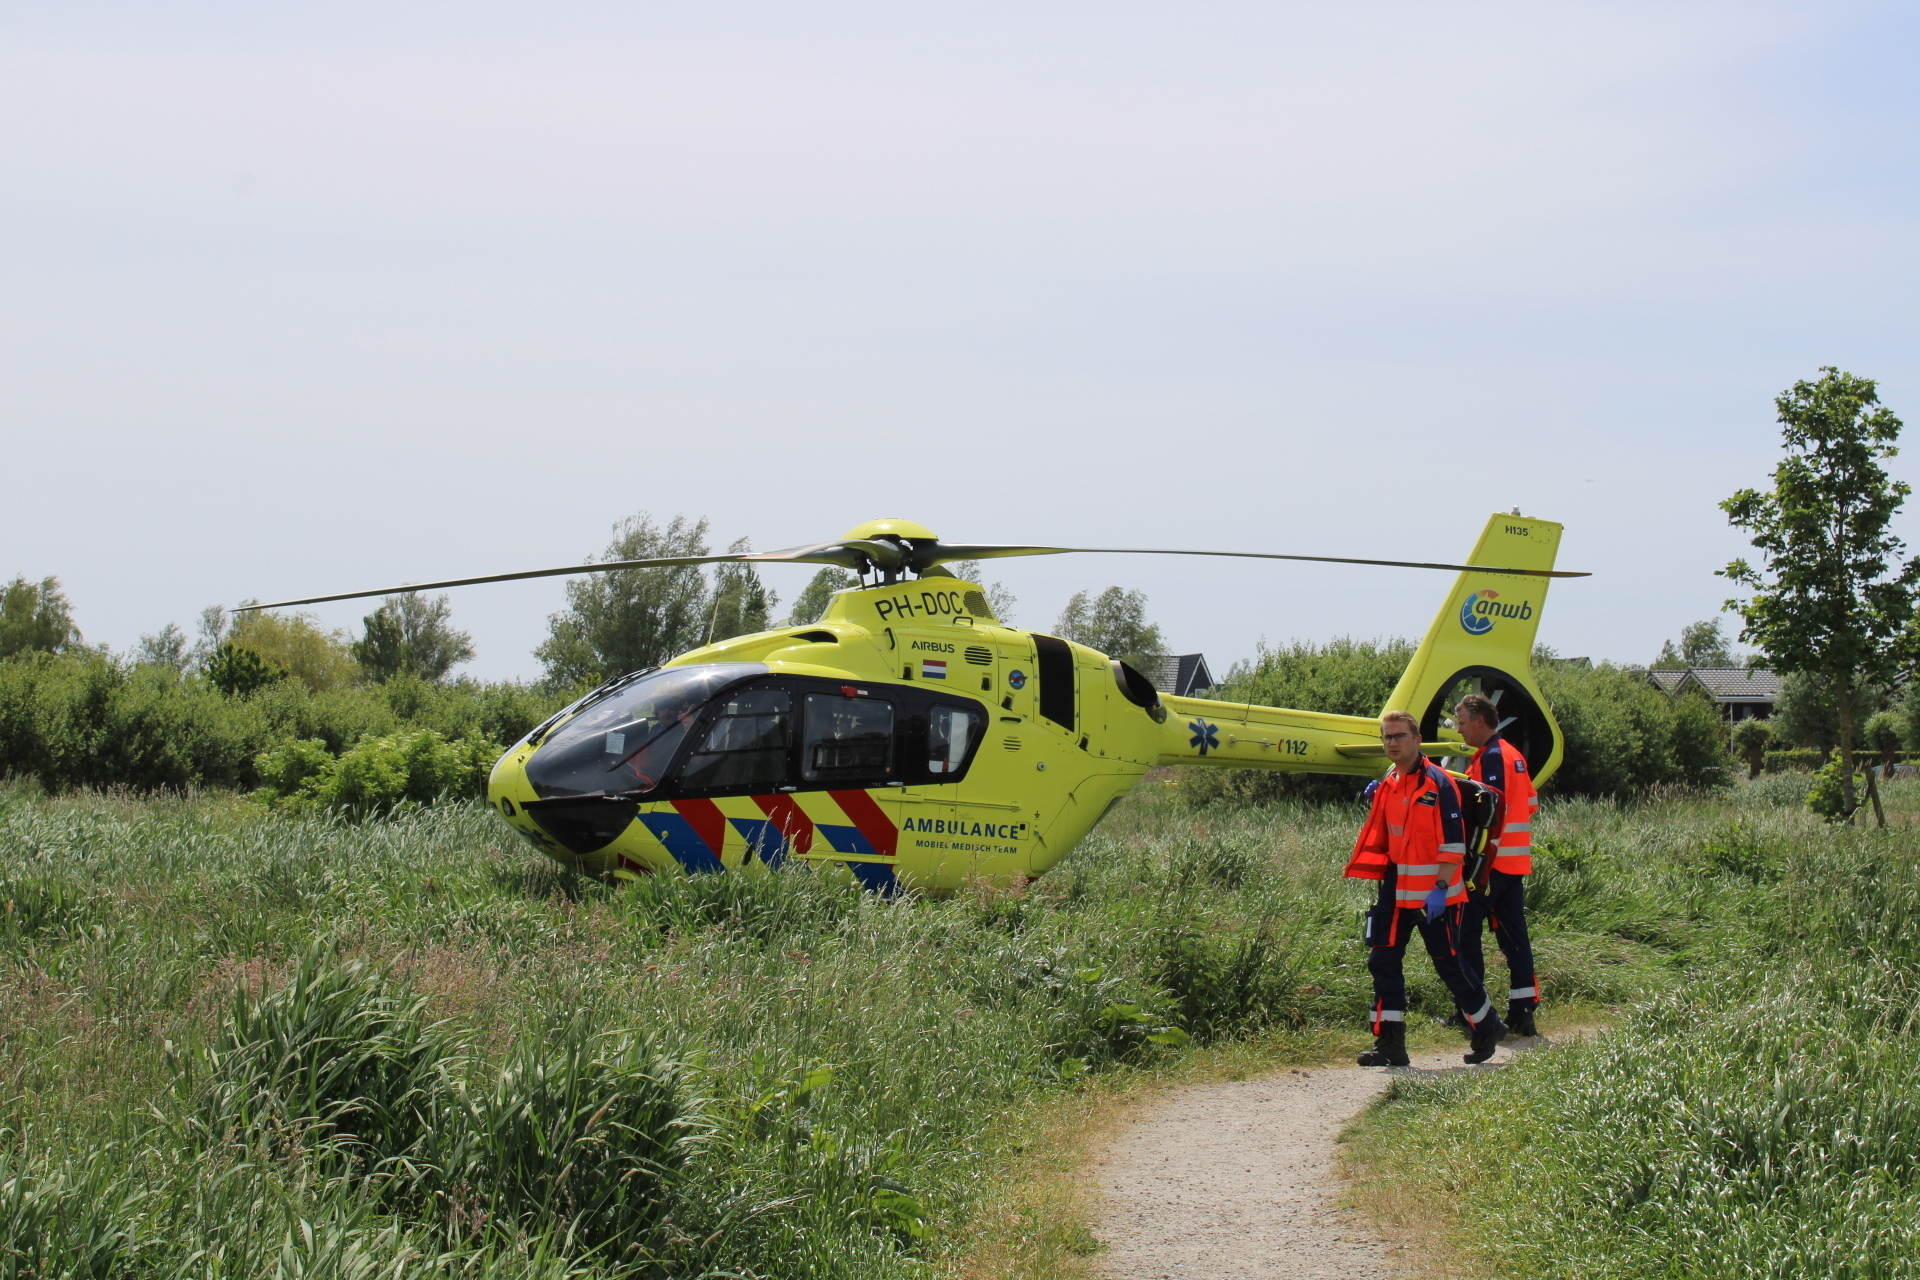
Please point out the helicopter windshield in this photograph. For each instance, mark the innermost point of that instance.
(624, 742)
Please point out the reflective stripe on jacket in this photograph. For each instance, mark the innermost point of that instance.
(1414, 824)
(1499, 766)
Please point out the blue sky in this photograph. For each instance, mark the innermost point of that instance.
(305, 298)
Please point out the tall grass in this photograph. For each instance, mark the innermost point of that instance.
(1757, 1119)
(241, 1043)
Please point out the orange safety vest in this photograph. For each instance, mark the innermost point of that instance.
(1499, 766)
(1415, 825)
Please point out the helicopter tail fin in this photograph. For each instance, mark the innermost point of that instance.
(1482, 641)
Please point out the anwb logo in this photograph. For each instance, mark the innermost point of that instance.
(1479, 611)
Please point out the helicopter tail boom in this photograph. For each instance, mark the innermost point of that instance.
(1240, 735)
(1481, 641)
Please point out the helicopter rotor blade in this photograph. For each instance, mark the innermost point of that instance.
(946, 552)
(604, 566)
(854, 554)
(927, 555)
(860, 554)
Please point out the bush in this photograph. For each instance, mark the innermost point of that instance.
(1624, 736)
(376, 776)
(1881, 735)
(293, 768)
(1826, 797)
(1749, 741)
(83, 719)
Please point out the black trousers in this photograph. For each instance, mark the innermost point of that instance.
(1504, 906)
(1387, 963)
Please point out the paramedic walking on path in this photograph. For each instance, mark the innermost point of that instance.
(1413, 843)
(1502, 900)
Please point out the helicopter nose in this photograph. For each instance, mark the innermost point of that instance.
(586, 825)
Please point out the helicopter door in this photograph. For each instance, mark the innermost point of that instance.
(847, 750)
(746, 747)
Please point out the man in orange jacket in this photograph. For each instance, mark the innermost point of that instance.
(1503, 899)
(1413, 843)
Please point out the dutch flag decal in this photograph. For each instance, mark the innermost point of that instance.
(933, 668)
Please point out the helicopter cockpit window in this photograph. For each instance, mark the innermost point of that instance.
(952, 734)
(625, 742)
(847, 739)
(746, 746)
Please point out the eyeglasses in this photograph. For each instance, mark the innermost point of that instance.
(1402, 736)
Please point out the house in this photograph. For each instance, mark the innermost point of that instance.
(1741, 693)
(1184, 675)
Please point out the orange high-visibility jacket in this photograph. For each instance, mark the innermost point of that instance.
(1414, 824)
(1499, 766)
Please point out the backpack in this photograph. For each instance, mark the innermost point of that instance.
(1481, 810)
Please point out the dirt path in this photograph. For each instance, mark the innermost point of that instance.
(1238, 1180)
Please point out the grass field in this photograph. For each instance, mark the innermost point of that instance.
(240, 1044)
(1759, 1117)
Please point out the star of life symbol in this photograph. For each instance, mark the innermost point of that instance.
(1205, 736)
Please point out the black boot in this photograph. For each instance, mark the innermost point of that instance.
(1487, 1035)
(1389, 1047)
(1520, 1019)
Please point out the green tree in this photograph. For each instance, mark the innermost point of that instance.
(1702, 644)
(35, 618)
(321, 660)
(1115, 623)
(630, 619)
(410, 635)
(237, 671)
(1831, 599)
(741, 603)
(1751, 737)
(166, 647)
(1882, 735)
(1804, 715)
(811, 604)
(215, 622)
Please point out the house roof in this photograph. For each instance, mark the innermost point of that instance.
(1183, 674)
(1722, 684)
(1735, 684)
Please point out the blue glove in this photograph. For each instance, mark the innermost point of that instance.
(1371, 788)
(1436, 903)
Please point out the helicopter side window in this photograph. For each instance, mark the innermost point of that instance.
(847, 740)
(952, 734)
(746, 746)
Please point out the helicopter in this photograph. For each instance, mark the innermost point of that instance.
(911, 739)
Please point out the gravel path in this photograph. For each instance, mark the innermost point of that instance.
(1238, 1180)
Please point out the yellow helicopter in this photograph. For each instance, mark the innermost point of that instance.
(913, 739)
